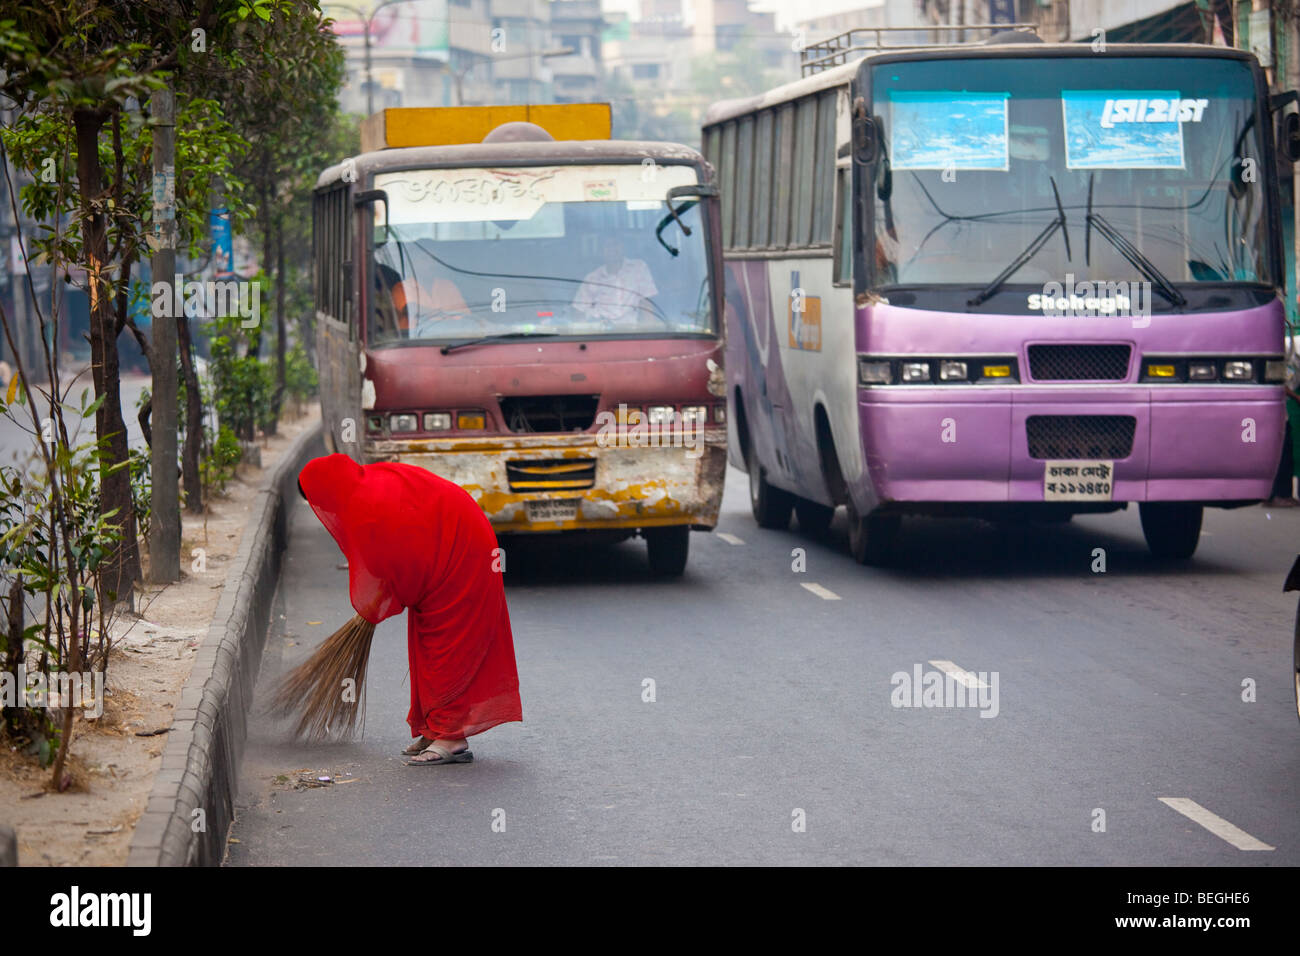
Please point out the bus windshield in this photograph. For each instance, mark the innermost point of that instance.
(1153, 167)
(553, 250)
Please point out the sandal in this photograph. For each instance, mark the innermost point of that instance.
(443, 755)
(417, 747)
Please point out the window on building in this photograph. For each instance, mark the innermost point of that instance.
(645, 71)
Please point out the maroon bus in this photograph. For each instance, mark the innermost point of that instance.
(535, 320)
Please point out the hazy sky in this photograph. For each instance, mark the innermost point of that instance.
(786, 10)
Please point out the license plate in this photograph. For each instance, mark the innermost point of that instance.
(552, 509)
(1078, 480)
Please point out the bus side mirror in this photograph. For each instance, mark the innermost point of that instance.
(371, 196)
(1288, 139)
(866, 134)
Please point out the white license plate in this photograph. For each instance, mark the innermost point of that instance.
(552, 509)
(1078, 480)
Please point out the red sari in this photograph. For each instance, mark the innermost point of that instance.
(416, 541)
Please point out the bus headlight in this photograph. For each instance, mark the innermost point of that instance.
(401, 423)
(950, 371)
(437, 421)
(1202, 371)
(1275, 370)
(660, 414)
(471, 421)
(694, 414)
(874, 373)
(1238, 371)
(916, 371)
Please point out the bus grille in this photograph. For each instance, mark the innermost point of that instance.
(1080, 436)
(558, 474)
(549, 413)
(1079, 363)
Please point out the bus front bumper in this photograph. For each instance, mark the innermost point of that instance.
(1190, 443)
(631, 487)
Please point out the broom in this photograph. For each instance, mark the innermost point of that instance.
(316, 690)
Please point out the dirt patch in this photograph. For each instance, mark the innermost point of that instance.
(114, 758)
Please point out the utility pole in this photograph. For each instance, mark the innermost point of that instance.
(165, 526)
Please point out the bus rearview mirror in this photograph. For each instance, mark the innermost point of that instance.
(1289, 137)
(369, 196)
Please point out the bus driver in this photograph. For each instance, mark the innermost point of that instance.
(617, 290)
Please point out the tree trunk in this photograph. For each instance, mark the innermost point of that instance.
(122, 567)
(193, 420)
(280, 324)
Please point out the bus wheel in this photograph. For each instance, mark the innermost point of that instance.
(668, 549)
(1172, 528)
(771, 506)
(814, 518)
(872, 539)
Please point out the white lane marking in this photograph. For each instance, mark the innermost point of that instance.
(729, 538)
(959, 674)
(821, 592)
(1220, 827)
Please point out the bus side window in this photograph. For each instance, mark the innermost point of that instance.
(843, 239)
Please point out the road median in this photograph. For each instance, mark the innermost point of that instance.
(191, 803)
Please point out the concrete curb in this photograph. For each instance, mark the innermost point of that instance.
(200, 764)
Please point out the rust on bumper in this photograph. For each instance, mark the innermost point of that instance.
(634, 487)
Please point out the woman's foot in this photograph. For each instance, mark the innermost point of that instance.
(417, 746)
(442, 750)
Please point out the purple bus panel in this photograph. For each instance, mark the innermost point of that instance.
(1169, 441)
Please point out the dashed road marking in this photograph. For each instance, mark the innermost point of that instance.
(729, 538)
(959, 674)
(824, 593)
(1220, 827)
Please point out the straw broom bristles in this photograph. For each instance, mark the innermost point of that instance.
(316, 690)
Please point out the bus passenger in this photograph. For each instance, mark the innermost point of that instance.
(617, 291)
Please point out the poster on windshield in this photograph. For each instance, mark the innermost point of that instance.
(1126, 129)
(949, 130)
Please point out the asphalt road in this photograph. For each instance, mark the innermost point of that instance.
(16, 431)
(775, 691)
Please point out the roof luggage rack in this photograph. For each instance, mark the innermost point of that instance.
(839, 49)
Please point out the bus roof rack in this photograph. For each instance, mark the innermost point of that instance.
(837, 50)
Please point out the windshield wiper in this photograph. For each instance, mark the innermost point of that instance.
(1161, 282)
(1030, 251)
(498, 337)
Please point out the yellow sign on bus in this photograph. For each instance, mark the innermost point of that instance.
(453, 125)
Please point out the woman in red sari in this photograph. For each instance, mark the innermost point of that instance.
(417, 542)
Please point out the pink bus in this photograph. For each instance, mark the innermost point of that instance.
(1008, 279)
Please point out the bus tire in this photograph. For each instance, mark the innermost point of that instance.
(873, 538)
(1172, 528)
(814, 518)
(771, 506)
(668, 549)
